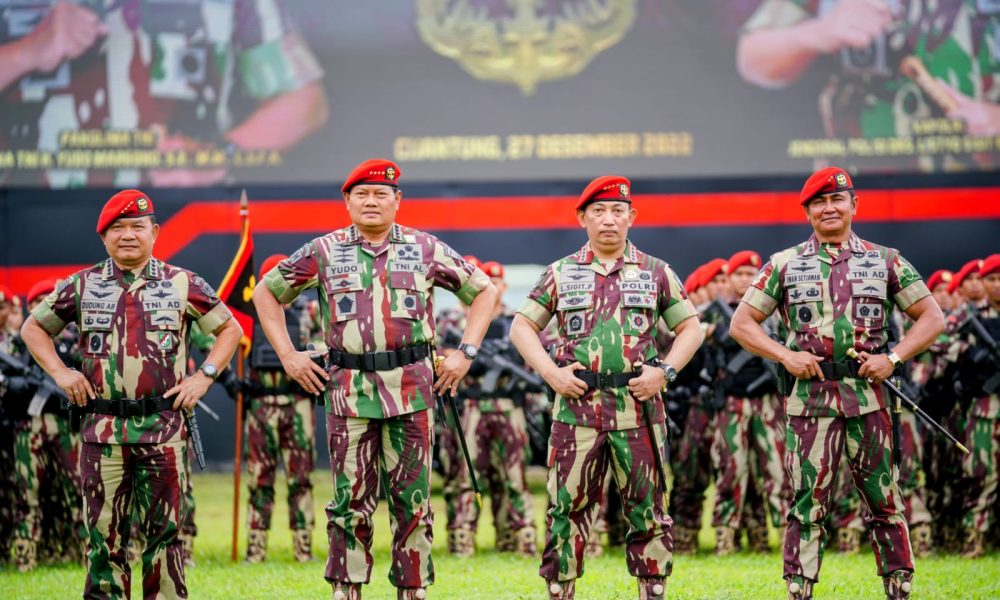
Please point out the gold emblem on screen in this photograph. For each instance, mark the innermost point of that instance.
(528, 44)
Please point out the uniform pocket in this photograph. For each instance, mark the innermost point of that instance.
(408, 299)
(805, 306)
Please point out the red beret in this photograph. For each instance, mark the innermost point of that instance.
(609, 187)
(967, 269)
(991, 264)
(713, 268)
(824, 181)
(692, 283)
(269, 263)
(125, 204)
(475, 261)
(6, 295)
(742, 259)
(493, 269)
(938, 277)
(375, 171)
(41, 289)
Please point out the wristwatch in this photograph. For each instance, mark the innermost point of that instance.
(468, 350)
(669, 372)
(209, 370)
(895, 360)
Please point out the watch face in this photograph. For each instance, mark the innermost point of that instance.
(209, 370)
(671, 373)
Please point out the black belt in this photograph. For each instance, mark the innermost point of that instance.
(605, 380)
(839, 370)
(128, 408)
(380, 361)
(281, 390)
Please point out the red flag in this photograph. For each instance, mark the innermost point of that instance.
(236, 289)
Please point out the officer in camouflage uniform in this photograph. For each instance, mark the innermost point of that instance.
(48, 520)
(608, 298)
(375, 280)
(749, 432)
(896, 63)
(171, 67)
(495, 429)
(982, 465)
(281, 427)
(134, 313)
(835, 293)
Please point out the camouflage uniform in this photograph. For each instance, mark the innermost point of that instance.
(133, 333)
(982, 465)
(49, 523)
(607, 321)
(834, 297)
(496, 432)
(8, 498)
(281, 427)
(378, 299)
(868, 96)
(691, 463)
(170, 64)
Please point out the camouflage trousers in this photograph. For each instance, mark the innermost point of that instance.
(579, 458)
(946, 484)
(749, 444)
(393, 455)
(816, 446)
(149, 478)
(281, 432)
(981, 467)
(692, 467)
(47, 489)
(8, 498)
(497, 444)
(848, 512)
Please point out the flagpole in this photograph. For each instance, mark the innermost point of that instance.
(241, 358)
(238, 453)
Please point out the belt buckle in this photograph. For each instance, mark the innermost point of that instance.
(121, 410)
(605, 380)
(382, 361)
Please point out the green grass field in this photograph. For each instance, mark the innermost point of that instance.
(493, 576)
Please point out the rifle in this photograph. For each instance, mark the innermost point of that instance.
(851, 352)
(22, 378)
(992, 347)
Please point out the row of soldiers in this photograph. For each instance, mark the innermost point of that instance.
(609, 302)
(732, 435)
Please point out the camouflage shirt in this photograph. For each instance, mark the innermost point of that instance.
(374, 299)
(607, 321)
(984, 406)
(833, 297)
(174, 63)
(133, 339)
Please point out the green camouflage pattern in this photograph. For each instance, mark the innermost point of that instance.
(377, 299)
(283, 432)
(177, 70)
(607, 319)
(579, 459)
(749, 444)
(47, 488)
(833, 298)
(133, 339)
(392, 455)
(816, 446)
(691, 465)
(148, 479)
(497, 444)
